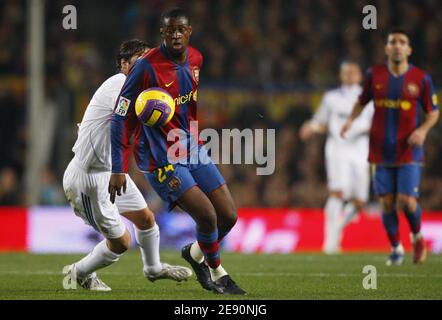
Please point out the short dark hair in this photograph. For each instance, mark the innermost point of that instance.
(129, 48)
(400, 31)
(174, 13)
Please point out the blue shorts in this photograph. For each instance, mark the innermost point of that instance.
(171, 181)
(404, 179)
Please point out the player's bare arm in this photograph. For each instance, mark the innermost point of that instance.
(417, 138)
(311, 128)
(357, 109)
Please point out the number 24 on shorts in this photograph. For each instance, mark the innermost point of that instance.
(162, 172)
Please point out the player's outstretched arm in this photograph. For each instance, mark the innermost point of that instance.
(318, 124)
(418, 136)
(309, 128)
(357, 109)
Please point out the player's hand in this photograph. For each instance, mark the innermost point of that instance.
(306, 131)
(116, 183)
(417, 137)
(346, 126)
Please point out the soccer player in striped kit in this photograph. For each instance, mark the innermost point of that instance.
(198, 188)
(401, 92)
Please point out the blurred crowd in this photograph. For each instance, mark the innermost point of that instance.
(266, 64)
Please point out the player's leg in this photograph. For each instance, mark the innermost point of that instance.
(408, 189)
(147, 235)
(332, 217)
(360, 185)
(133, 207)
(83, 193)
(385, 182)
(351, 209)
(175, 185)
(212, 183)
(336, 175)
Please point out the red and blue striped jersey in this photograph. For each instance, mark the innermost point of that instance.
(399, 102)
(155, 69)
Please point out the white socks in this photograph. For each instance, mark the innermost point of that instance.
(217, 273)
(196, 253)
(332, 230)
(198, 256)
(149, 243)
(350, 212)
(101, 256)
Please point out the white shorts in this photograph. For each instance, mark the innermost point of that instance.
(87, 193)
(349, 175)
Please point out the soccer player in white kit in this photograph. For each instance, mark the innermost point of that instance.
(85, 183)
(347, 167)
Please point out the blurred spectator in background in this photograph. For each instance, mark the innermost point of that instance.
(9, 189)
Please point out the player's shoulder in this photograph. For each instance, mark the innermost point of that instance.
(332, 92)
(418, 72)
(115, 81)
(195, 55)
(151, 55)
(376, 68)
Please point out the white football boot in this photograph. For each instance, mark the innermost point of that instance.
(90, 282)
(176, 273)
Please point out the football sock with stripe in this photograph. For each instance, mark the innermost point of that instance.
(101, 256)
(391, 225)
(414, 219)
(149, 243)
(208, 243)
(195, 250)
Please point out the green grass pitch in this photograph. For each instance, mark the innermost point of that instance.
(295, 276)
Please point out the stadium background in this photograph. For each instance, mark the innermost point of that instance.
(266, 64)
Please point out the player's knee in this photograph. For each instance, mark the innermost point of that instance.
(120, 245)
(407, 203)
(359, 205)
(336, 193)
(146, 219)
(388, 203)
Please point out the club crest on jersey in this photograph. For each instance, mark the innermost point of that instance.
(174, 183)
(435, 101)
(122, 106)
(196, 74)
(413, 89)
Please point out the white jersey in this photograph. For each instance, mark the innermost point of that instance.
(335, 108)
(92, 148)
(86, 178)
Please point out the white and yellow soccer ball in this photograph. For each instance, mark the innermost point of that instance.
(155, 107)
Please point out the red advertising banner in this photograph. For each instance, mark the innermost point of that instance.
(13, 229)
(291, 230)
(258, 230)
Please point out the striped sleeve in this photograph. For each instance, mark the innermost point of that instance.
(429, 97)
(124, 119)
(367, 91)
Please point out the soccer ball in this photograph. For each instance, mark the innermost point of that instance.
(155, 107)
